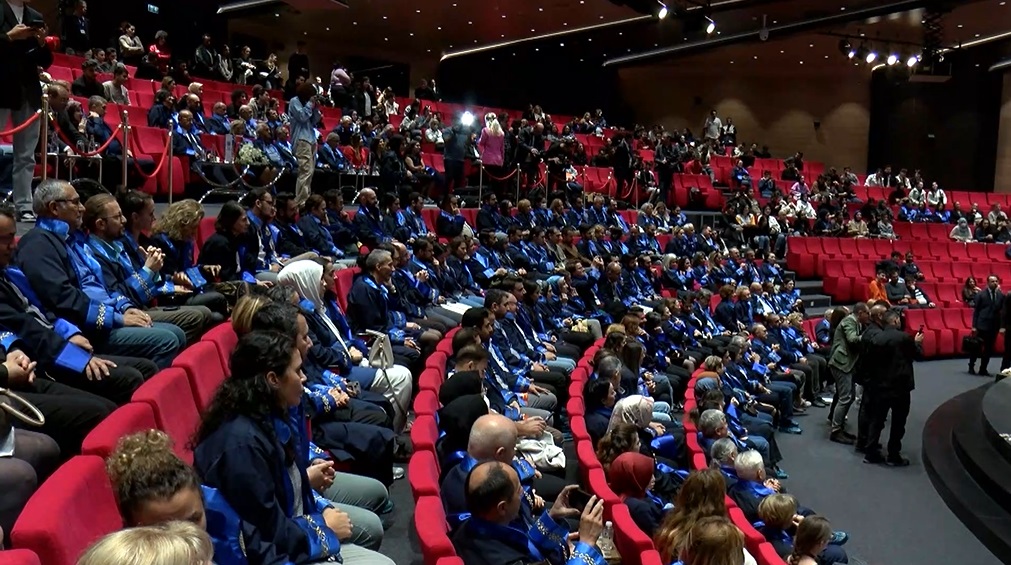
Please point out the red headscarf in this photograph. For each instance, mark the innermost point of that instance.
(629, 475)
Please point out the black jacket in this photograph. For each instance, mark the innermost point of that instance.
(986, 313)
(19, 62)
(892, 371)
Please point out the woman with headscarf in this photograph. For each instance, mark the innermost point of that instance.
(556, 305)
(654, 439)
(961, 232)
(335, 346)
(631, 478)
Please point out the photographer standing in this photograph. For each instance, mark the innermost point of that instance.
(22, 52)
(303, 111)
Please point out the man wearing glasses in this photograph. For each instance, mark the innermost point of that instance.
(63, 273)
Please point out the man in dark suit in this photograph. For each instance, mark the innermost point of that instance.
(77, 29)
(986, 322)
(88, 85)
(887, 384)
(22, 51)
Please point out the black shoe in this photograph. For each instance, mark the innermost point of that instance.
(874, 458)
(849, 435)
(972, 370)
(983, 373)
(841, 437)
(819, 403)
(897, 461)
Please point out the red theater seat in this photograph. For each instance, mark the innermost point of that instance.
(127, 419)
(424, 434)
(628, 538)
(19, 557)
(72, 509)
(224, 339)
(170, 396)
(202, 364)
(423, 474)
(430, 523)
(426, 403)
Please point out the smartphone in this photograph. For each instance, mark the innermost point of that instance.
(578, 499)
(921, 329)
(36, 25)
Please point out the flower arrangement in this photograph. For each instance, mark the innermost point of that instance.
(250, 155)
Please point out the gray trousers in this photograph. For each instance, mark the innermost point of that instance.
(25, 142)
(842, 400)
(363, 499)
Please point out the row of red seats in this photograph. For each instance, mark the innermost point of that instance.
(763, 551)
(170, 401)
(773, 165)
(423, 470)
(809, 255)
(943, 330)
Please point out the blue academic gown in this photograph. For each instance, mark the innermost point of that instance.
(244, 459)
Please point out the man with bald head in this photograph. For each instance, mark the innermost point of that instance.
(494, 499)
(493, 437)
(368, 221)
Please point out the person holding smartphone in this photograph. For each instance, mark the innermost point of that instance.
(22, 51)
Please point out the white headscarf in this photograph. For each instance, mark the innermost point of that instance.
(304, 277)
(635, 409)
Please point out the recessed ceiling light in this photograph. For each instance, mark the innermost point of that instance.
(387, 39)
(862, 34)
(781, 51)
(561, 45)
(656, 45)
(810, 45)
(537, 48)
(503, 16)
(589, 39)
(802, 62)
(475, 41)
(384, 17)
(756, 57)
(601, 17)
(454, 4)
(503, 35)
(621, 33)
(1002, 3)
(629, 49)
(581, 60)
(439, 28)
(412, 34)
(775, 21)
(328, 29)
(540, 9)
(960, 26)
(977, 35)
(826, 56)
(470, 23)
(493, 58)
(305, 33)
(514, 54)
(564, 24)
(429, 50)
(276, 15)
(842, 9)
(605, 55)
(354, 23)
(731, 62)
(417, 11)
(531, 29)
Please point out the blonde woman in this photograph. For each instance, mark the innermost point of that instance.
(714, 541)
(491, 147)
(174, 234)
(172, 543)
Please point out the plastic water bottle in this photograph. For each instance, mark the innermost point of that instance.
(605, 543)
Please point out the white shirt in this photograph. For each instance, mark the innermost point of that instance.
(18, 7)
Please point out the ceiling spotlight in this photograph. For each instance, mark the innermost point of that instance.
(663, 12)
(712, 25)
(892, 59)
(871, 57)
(912, 60)
(846, 48)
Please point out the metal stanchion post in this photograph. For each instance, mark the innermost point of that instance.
(480, 185)
(169, 163)
(45, 136)
(519, 176)
(125, 125)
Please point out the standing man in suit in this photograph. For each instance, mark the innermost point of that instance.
(842, 362)
(22, 51)
(986, 322)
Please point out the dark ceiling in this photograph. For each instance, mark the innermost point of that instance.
(482, 29)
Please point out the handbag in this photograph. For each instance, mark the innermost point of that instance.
(9, 410)
(972, 345)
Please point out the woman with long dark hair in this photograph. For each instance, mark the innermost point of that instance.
(251, 446)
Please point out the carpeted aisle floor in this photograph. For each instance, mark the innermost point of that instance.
(894, 516)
